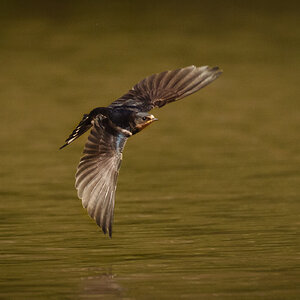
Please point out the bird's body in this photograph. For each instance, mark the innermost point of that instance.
(96, 176)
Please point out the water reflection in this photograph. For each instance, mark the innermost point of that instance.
(100, 286)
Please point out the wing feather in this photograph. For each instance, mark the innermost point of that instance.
(97, 172)
(165, 87)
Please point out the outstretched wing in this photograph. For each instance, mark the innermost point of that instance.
(96, 177)
(162, 88)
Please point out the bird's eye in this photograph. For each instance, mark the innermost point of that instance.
(144, 118)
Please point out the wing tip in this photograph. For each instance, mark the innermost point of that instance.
(211, 69)
(211, 72)
(105, 229)
(216, 69)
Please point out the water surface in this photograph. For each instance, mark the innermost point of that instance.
(207, 203)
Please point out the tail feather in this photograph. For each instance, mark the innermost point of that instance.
(84, 125)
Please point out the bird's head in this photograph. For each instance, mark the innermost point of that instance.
(142, 120)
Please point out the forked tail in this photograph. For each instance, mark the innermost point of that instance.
(84, 125)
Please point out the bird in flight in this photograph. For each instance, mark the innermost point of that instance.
(98, 169)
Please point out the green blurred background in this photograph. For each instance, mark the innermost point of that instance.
(208, 197)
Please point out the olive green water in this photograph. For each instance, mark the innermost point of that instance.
(207, 202)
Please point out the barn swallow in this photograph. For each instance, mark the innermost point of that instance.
(98, 169)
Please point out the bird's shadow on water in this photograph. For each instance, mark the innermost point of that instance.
(101, 285)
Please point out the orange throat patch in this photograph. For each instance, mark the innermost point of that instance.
(143, 125)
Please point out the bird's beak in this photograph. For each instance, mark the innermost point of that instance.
(153, 118)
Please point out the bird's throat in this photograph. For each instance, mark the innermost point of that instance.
(140, 127)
